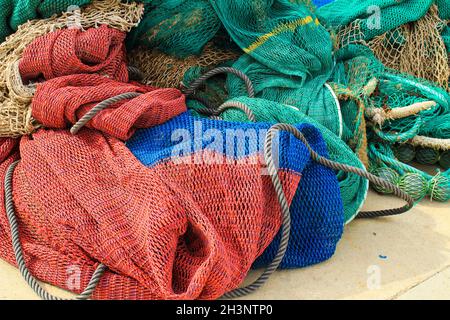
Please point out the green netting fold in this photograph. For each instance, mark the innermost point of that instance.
(177, 27)
(444, 9)
(357, 65)
(283, 35)
(313, 97)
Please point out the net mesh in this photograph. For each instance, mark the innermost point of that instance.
(375, 17)
(367, 86)
(177, 27)
(416, 48)
(73, 96)
(353, 188)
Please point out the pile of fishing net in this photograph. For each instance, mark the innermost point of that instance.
(290, 67)
(142, 144)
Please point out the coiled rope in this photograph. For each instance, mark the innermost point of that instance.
(18, 251)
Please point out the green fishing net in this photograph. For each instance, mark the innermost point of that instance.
(281, 34)
(408, 36)
(373, 17)
(314, 98)
(391, 91)
(438, 127)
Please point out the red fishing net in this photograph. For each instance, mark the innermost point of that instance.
(71, 51)
(172, 231)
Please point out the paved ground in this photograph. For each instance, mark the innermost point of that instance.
(406, 257)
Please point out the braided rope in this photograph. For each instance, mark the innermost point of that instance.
(237, 105)
(18, 251)
(99, 107)
(198, 82)
(268, 146)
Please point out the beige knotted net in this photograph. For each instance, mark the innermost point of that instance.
(416, 48)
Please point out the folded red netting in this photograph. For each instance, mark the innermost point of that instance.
(72, 51)
(166, 232)
(61, 102)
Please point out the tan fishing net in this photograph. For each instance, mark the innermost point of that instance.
(416, 48)
(165, 71)
(15, 97)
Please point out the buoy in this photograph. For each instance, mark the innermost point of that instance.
(440, 188)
